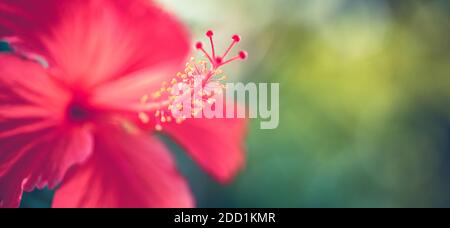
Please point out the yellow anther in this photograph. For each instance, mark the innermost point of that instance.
(157, 95)
(223, 78)
(144, 118)
(144, 99)
(195, 113)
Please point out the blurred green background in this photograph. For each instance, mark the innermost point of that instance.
(365, 102)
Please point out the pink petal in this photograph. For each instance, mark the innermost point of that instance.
(216, 144)
(95, 41)
(35, 152)
(126, 170)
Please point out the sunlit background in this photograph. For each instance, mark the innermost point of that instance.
(365, 102)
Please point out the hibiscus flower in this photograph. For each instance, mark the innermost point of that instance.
(70, 98)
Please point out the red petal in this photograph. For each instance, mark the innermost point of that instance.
(132, 88)
(34, 151)
(38, 159)
(216, 144)
(95, 41)
(126, 170)
(26, 87)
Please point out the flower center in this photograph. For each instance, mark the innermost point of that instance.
(77, 112)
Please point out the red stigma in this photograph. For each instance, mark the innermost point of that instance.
(236, 38)
(243, 54)
(218, 61)
(199, 45)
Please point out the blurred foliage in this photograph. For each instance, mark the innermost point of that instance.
(365, 102)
